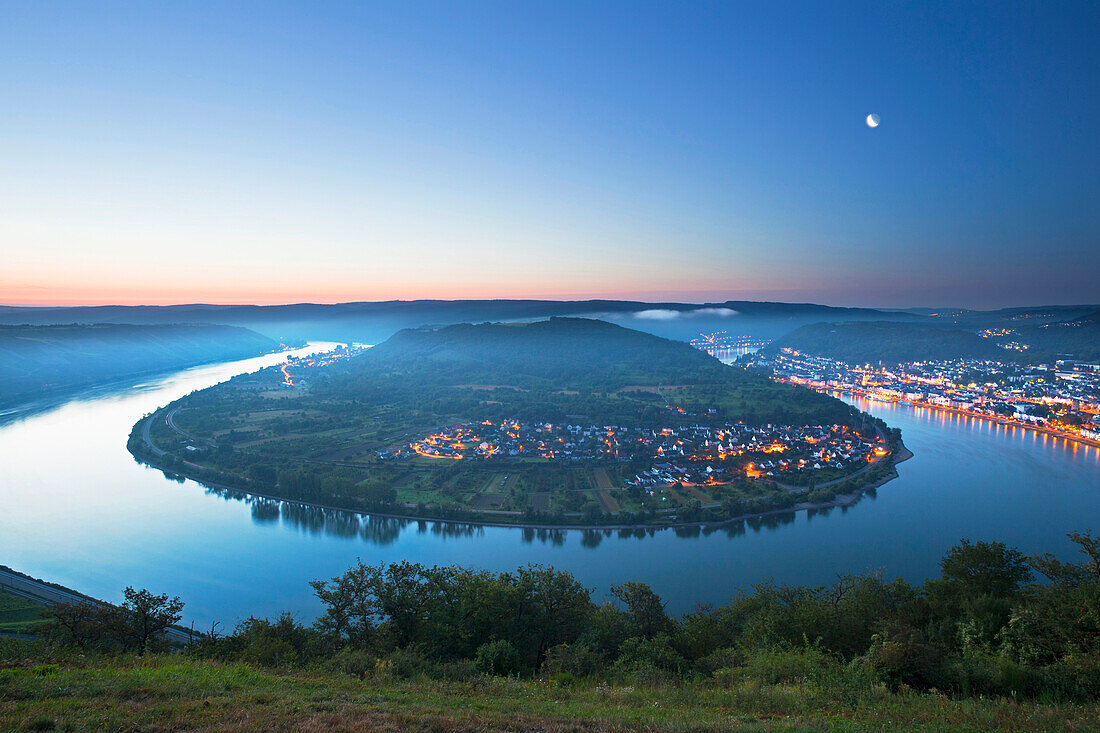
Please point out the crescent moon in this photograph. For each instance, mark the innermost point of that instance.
(872, 120)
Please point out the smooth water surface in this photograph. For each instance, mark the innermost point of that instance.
(77, 509)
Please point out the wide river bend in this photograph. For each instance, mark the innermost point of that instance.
(78, 510)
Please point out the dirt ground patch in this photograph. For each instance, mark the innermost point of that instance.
(675, 496)
(603, 481)
(699, 495)
(489, 500)
(607, 500)
(494, 483)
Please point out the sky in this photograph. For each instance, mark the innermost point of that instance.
(288, 152)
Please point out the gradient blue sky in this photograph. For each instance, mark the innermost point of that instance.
(269, 152)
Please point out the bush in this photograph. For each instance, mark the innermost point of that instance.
(497, 657)
(906, 657)
(353, 661)
(456, 671)
(260, 641)
(775, 666)
(648, 660)
(993, 675)
(410, 663)
(1079, 673)
(576, 660)
(719, 659)
(268, 652)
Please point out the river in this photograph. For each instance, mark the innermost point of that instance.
(79, 510)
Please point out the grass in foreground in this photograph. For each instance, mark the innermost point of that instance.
(174, 692)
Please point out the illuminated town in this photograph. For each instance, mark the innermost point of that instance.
(1061, 399)
(689, 455)
(314, 361)
(725, 347)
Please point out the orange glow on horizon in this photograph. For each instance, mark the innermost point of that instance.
(224, 290)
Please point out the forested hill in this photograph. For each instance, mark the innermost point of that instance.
(567, 353)
(37, 361)
(1078, 338)
(561, 366)
(890, 343)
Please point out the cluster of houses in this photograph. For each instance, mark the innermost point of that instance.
(694, 454)
(766, 452)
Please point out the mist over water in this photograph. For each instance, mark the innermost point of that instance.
(79, 510)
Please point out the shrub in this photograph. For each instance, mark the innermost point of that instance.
(906, 657)
(353, 661)
(573, 659)
(719, 659)
(565, 679)
(993, 675)
(456, 671)
(269, 652)
(497, 657)
(775, 666)
(648, 660)
(409, 663)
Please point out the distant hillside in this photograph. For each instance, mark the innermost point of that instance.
(1013, 317)
(891, 342)
(859, 343)
(36, 361)
(375, 322)
(547, 360)
(1078, 338)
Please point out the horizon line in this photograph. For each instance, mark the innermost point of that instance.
(197, 304)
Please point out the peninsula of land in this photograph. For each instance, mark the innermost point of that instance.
(564, 422)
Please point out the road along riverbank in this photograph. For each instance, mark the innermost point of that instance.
(51, 594)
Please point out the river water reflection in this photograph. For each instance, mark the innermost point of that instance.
(78, 510)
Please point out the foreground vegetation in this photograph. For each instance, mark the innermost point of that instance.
(42, 690)
(443, 648)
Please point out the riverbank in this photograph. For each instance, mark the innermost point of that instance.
(1071, 437)
(840, 500)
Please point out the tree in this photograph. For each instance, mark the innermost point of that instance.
(351, 606)
(554, 609)
(87, 625)
(592, 513)
(148, 616)
(1071, 574)
(405, 593)
(985, 568)
(645, 608)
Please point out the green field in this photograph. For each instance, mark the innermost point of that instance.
(176, 693)
(17, 614)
